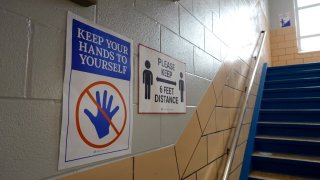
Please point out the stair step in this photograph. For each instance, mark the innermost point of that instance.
(287, 142)
(315, 159)
(289, 129)
(292, 83)
(309, 169)
(288, 145)
(261, 175)
(301, 115)
(290, 103)
(293, 67)
(302, 139)
(293, 74)
(291, 71)
(289, 123)
(313, 91)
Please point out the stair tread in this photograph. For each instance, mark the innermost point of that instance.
(290, 123)
(294, 66)
(293, 71)
(290, 110)
(293, 74)
(305, 139)
(315, 159)
(274, 176)
(294, 80)
(292, 89)
(293, 110)
(292, 98)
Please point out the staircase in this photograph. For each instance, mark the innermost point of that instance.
(287, 137)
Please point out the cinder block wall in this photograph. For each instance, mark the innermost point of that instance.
(284, 50)
(215, 39)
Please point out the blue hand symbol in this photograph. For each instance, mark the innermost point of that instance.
(99, 121)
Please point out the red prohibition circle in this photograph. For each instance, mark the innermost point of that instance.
(78, 119)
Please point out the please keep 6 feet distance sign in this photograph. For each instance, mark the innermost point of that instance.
(162, 84)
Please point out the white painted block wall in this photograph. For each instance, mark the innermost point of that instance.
(32, 60)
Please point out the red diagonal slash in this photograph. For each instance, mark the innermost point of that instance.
(103, 113)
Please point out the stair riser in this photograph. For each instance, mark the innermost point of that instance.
(293, 75)
(290, 117)
(294, 68)
(290, 104)
(288, 147)
(289, 131)
(293, 72)
(269, 85)
(295, 168)
(291, 94)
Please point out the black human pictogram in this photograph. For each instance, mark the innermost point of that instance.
(147, 80)
(181, 86)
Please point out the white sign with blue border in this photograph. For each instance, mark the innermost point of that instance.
(97, 94)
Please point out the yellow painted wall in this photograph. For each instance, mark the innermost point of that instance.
(284, 49)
